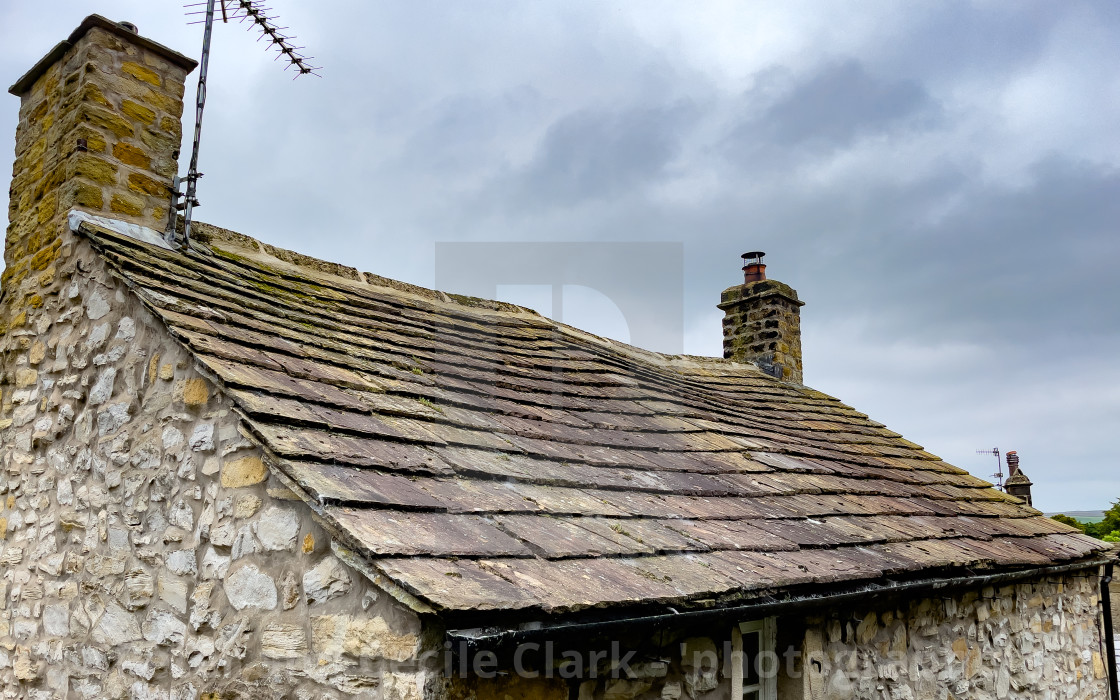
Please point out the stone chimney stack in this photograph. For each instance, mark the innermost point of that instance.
(1017, 484)
(99, 130)
(762, 322)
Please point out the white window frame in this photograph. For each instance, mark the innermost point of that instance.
(767, 631)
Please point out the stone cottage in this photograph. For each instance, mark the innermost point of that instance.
(233, 471)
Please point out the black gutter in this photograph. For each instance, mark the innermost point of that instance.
(463, 639)
(1110, 642)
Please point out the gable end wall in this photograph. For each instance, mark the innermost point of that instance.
(145, 551)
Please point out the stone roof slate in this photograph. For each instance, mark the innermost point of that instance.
(482, 457)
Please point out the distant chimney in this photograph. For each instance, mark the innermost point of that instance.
(1012, 463)
(1017, 484)
(762, 322)
(99, 130)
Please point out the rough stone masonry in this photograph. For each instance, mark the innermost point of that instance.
(146, 551)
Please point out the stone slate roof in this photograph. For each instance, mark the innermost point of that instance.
(482, 457)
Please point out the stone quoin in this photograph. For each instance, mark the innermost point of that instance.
(236, 471)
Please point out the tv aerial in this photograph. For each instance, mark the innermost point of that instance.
(998, 476)
(259, 17)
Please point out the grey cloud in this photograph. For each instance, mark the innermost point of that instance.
(598, 154)
(1027, 263)
(834, 106)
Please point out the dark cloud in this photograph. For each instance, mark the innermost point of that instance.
(590, 155)
(839, 103)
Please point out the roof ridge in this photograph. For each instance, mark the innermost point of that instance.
(211, 237)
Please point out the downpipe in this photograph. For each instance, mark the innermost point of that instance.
(1110, 641)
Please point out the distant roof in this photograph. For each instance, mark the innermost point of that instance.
(482, 457)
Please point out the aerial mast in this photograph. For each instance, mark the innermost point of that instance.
(998, 476)
(257, 16)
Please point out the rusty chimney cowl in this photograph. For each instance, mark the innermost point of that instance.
(762, 322)
(754, 270)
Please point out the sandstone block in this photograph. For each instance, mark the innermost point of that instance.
(192, 392)
(138, 112)
(26, 377)
(128, 205)
(94, 168)
(246, 471)
(142, 184)
(141, 73)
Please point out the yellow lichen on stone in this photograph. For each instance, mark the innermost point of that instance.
(37, 353)
(112, 121)
(46, 277)
(246, 471)
(83, 194)
(48, 206)
(146, 185)
(141, 73)
(131, 155)
(124, 204)
(42, 259)
(35, 301)
(18, 320)
(138, 112)
(94, 168)
(153, 368)
(308, 543)
(192, 392)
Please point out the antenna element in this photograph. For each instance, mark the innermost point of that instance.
(999, 466)
(241, 10)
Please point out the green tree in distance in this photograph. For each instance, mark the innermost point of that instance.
(1066, 520)
(1107, 529)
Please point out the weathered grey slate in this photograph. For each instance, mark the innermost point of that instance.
(485, 459)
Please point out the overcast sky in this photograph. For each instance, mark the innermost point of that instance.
(939, 181)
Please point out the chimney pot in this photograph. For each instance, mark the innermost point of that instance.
(129, 26)
(754, 270)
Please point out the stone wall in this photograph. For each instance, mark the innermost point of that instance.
(146, 551)
(1031, 640)
(1114, 592)
(1027, 641)
(762, 324)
